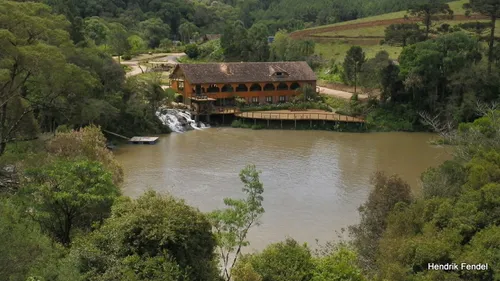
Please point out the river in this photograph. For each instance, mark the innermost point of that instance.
(314, 181)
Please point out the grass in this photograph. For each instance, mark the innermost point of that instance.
(336, 50)
(357, 32)
(335, 102)
(456, 6)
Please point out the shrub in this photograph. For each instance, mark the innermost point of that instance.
(192, 51)
(127, 57)
(257, 127)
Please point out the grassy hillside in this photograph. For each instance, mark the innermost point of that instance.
(333, 41)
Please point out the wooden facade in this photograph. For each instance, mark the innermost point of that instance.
(257, 83)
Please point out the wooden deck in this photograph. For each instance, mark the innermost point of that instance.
(299, 115)
(143, 140)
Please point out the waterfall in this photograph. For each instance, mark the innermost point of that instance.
(179, 120)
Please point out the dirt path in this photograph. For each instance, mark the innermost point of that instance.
(339, 94)
(169, 58)
(310, 32)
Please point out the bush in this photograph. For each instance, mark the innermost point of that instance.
(178, 98)
(257, 127)
(127, 57)
(239, 124)
(390, 120)
(192, 51)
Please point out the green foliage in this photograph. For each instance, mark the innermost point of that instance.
(392, 119)
(388, 192)
(338, 265)
(427, 68)
(24, 250)
(352, 65)
(89, 143)
(403, 34)
(427, 9)
(231, 225)
(491, 9)
(137, 44)
(192, 51)
(284, 48)
(154, 237)
(457, 218)
(154, 30)
(283, 261)
(68, 195)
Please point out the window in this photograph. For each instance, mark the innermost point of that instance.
(181, 85)
(269, 99)
(255, 99)
(282, 98)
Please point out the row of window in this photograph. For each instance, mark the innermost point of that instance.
(269, 99)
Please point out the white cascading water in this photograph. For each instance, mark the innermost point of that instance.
(179, 120)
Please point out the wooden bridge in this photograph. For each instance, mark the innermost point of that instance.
(299, 115)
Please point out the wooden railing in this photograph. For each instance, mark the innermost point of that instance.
(299, 116)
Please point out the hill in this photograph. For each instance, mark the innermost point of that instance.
(333, 41)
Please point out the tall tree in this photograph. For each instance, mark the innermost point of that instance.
(231, 225)
(187, 30)
(387, 193)
(118, 40)
(427, 11)
(353, 62)
(154, 31)
(70, 194)
(30, 53)
(403, 34)
(259, 47)
(234, 42)
(154, 237)
(490, 8)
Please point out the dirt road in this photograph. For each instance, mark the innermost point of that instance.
(339, 94)
(169, 58)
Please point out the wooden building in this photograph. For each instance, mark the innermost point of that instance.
(218, 84)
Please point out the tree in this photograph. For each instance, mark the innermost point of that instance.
(231, 225)
(427, 9)
(96, 30)
(307, 93)
(427, 68)
(154, 31)
(234, 42)
(339, 264)
(283, 261)
(136, 43)
(353, 62)
(477, 27)
(24, 248)
(403, 34)
(279, 46)
(490, 8)
(387, 193)
(187, 30)
(259, 47)
(88, 142)
(68, 195)
(30, 54)
(153, 238)
(192, 51)
(372, 70)
(118, 40)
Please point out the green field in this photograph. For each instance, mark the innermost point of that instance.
(456, 6)
(336, 50)
(333, 41)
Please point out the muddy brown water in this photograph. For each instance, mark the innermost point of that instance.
(314, 181)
